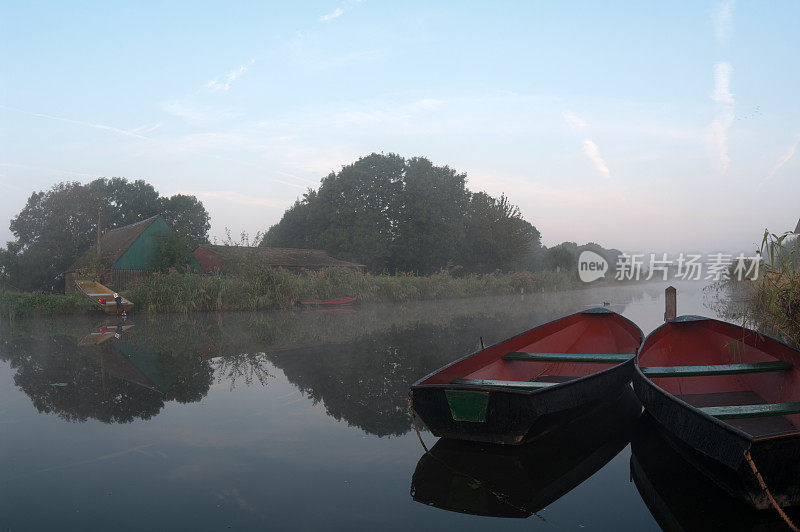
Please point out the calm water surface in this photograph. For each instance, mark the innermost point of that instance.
(294, 420)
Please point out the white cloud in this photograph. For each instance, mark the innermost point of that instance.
(593, 153)
(721, 18)
(723, 119)
(785, 159)
(336, 13)
(590, 148)
(126, 132)
(575, 121)
(339, 11)
(295, 185)
(196, 113)
(225, 84)
(232, 196)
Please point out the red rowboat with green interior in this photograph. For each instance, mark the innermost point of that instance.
(522, 387)
(725, 391)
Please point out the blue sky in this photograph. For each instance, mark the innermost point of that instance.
(647, 127)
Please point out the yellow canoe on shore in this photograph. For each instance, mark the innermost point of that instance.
(103, 297)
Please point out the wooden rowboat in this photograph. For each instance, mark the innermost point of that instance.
(725, 391)
(520, 480)
(520, 388)
(329, 302)
(103, 297)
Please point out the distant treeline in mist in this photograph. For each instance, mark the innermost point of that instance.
(407, 215)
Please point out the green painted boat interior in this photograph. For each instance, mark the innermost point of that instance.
(603, 358)
(718, 369)
(468, 405)
(747, 411)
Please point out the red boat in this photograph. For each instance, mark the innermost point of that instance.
(330, 302)
(520, 388)
(727, 392)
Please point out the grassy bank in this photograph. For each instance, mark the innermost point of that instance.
(770, 303)
(777, 292)
(17, 304)
(278, 289)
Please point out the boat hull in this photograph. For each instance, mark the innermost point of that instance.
(517, 417)
(716, 447)
(487, 413)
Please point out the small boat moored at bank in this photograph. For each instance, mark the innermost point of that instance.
(517, 389)
(731, 394)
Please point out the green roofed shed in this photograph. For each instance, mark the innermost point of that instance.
(127, 253)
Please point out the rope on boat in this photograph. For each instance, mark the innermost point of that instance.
(497, 494)
(764, 487)
(414, 419)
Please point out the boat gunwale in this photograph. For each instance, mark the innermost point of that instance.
(559, 386)
(696, 410)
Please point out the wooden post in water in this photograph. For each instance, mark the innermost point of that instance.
(671, 303)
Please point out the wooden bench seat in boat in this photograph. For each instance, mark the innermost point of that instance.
(747, 411)
(654, 372)
(603, 358)
(513, 385)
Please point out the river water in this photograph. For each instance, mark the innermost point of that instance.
(291, 420)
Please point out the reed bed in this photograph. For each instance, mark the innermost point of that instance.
(18, 304)
(280, 289)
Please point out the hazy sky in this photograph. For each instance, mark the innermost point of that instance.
(649, 127)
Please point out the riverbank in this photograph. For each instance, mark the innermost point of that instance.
(19, 304)
(771, 302)
(279, 289)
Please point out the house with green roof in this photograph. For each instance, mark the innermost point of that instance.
(126, 254)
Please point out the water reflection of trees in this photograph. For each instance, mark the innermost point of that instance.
(359, 366)
(365, 381)
(78, 383)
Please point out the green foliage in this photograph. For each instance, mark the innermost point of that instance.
(777, 301)
(280, 289)
(396, 214)
(172, 252)
(766, 299)
(559, 258)
(16, 304)
(55, 227)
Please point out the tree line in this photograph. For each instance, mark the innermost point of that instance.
(390, 213)
(396, 214)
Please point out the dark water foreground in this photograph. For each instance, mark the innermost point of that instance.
(299, 421)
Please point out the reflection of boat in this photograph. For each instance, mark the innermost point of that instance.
(104, 333)
(103, 297)
(514, 390)
(504, 481)
(679, 496)
(724, 391)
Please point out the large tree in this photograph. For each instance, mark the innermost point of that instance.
(398, 214)
(58, 225)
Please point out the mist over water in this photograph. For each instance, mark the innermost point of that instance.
(283, 420)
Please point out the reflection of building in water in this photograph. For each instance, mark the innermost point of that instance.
(519, 480)
(100, 376)
(359, 366)
(681, 497)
